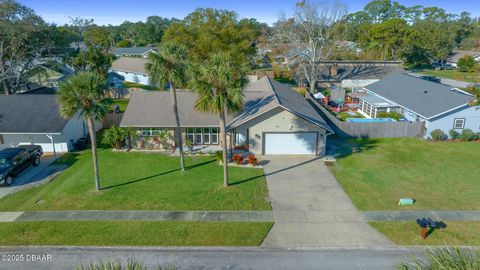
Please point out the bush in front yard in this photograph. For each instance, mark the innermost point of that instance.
(468, 135)
(238, 159)
(252, 160)
(115, 137)
(446, 258)
(438, 135)
(454, 135)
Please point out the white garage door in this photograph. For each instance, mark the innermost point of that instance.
(290, 143)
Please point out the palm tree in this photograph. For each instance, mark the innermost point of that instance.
(168, 66)
(219, 83)
(84, 94)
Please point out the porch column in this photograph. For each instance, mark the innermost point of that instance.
(50, 136)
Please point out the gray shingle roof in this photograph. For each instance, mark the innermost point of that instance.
(133, 50)
(130, 64)
(30, 114)
(423, 97)
(154, 109)
(277, 95)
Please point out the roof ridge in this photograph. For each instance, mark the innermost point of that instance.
(273, 91)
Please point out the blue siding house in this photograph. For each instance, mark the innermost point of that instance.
(439, 106)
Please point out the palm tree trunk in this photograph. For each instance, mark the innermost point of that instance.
(173, 96)
(223, 140)
(93, 139)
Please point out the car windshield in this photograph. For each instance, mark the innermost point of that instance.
(3, 162)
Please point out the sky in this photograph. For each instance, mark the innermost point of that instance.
(116, 11)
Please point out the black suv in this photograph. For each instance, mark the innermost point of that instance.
(15, 160)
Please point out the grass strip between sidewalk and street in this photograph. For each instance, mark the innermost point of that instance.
(134, 233)
(407, 233)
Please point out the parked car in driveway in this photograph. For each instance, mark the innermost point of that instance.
(15, 160)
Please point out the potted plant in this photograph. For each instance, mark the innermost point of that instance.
(252, 160)
(238, 159)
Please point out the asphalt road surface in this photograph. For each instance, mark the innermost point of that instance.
(207, 258)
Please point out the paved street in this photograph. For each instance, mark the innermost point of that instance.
(310, 208)
(450, 82)
(31, 176)
(216, 258)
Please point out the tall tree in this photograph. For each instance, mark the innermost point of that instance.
(23, 38)
(219, 82)
(207, 31)
(312, 32)
(168, 66)
(84, 94)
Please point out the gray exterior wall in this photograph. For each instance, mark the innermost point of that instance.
(278, 120)
(445, 122)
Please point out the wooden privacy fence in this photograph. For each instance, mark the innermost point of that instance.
(111, 119)
(369, 130)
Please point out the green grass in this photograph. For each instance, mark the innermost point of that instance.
(344, 115)
(408, 233)
(453, 74)
(134, 233)
(144, 181)
(121, 102)
(138, 85)
(376, 173)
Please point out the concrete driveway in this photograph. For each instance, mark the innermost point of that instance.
(31, 176)
(311, 209)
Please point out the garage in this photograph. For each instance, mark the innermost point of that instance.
(292, 143)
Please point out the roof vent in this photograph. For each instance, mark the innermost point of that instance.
(425, 91)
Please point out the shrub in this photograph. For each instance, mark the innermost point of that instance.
(438, 135)
(468, 135)
(219, 156)
(238, 159)
(446, 258)
(454, 135)
(394, 115)
(466, 63)
(252, 160)
(115, 137)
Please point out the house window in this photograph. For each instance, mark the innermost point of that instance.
(198, 136)
(206, 136)
(214, 135)
(150, 132)
(459, 123)
(190, 135)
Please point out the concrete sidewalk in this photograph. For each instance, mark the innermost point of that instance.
(412, 215)
(310, 208)
(146, 215)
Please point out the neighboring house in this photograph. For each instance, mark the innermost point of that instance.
(134, 51)
(132, 69)
(457, 54)
(438, 105)
(275, 120)
(45, 76)
(35, 119)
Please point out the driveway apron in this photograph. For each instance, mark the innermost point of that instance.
(310, 208)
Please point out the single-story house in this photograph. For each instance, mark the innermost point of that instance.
(45, 76)
(457, 54)
(275, 120)
(132, 69)
(36, 119)
(439, 106)
(134, 51)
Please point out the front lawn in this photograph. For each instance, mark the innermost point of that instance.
(453, 74)
(134, 233)
(144, 181)
(408, 233)
(121, 102)
(376, 173)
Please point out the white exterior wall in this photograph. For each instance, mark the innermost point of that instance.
(134, 77)
(73, 130)
(275, 121)
(445, 122)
